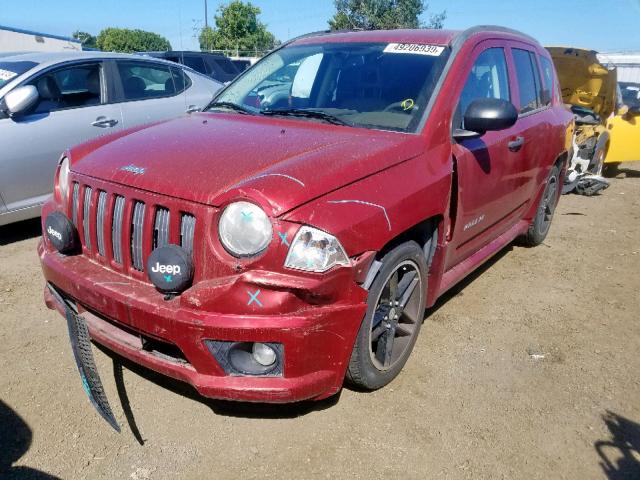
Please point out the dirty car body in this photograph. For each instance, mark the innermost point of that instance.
(318, 224)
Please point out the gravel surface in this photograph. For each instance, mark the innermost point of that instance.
(528, 370)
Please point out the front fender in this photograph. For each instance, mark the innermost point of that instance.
(369, 213)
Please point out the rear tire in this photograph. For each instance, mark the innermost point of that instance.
(539, 228)
(610, 169)
(394, 316)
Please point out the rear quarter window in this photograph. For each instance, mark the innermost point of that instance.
(226, 66)
(181, 80)
(549, 80)
(197, 63)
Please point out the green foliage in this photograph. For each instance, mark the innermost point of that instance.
(87, 40)
(125, 40)
(382, 15)
(237, 30)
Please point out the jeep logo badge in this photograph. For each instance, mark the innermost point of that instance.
(61, 233)
(133, 169)
(54, 233)
(170, 269)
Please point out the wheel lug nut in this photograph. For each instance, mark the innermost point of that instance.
(396, 317)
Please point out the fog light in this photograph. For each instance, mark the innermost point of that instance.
(263, 354)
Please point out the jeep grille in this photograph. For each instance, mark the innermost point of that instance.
(126, 230)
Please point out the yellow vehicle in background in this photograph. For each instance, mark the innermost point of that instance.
(624, 127)
(590, 89)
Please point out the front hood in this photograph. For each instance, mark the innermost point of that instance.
(584, 81)
(212, 158)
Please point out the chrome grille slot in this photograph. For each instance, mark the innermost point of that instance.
(137, 226)
(102, 207)
(116, 229)
(161, 228)
(187, 229)
(85, 217)
(74, 203)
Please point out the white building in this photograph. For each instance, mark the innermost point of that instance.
(627, 64)
(17, 40)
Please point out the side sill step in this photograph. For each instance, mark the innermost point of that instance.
(461, 270)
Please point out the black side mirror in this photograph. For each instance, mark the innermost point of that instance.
(487, 114)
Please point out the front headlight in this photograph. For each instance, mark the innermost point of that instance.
(63, 178)
(244, 229)
(315, 251)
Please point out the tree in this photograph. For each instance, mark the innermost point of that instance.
(237, 30)
(125, 40)
(86, 39)
(382, 15)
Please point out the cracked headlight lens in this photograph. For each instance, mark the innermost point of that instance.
(244, 229)
(315, 251)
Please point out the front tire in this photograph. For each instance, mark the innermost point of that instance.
(394, 316)
(539, 228)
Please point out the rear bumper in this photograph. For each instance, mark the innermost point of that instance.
(317, 340)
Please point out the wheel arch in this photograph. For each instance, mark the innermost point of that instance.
(423, 233)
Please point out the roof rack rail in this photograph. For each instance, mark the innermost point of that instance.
(320, 33)
(494, 28)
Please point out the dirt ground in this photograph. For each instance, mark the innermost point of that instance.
(529, 370)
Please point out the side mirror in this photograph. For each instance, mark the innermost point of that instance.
(623, 110)
(487, 114)
(20, 99)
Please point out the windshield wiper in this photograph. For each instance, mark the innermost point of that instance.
(301, 112)
(231, 106)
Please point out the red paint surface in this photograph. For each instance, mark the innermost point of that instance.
(366, 187)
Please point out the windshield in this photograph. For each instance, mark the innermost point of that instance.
(370, 85)
(10, 70)
(630, 93)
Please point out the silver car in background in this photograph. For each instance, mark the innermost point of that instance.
(52, 101)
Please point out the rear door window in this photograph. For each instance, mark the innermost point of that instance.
(144, 80)
(528, 77)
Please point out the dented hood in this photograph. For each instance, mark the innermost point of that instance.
(212, 158)
(584, 81)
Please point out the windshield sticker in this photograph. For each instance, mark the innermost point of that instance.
(7, 74)
(414, 48)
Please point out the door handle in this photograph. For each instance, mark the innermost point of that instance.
(104, 122)
(516, 144)
(192, 109)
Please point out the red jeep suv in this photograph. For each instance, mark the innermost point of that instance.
(295, 232)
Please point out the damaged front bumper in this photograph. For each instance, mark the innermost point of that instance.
(313, 321)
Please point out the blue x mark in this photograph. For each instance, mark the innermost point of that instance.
(246, 216)
(167, 278)
(283, 238)
(254, 298)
